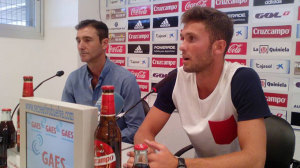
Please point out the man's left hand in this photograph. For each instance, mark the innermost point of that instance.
(162, 158)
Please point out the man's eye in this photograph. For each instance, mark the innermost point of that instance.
(191, 38)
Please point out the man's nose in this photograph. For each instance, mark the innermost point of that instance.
(182, 46)
(81, 45)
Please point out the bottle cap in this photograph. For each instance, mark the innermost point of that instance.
(27, 77)
(6, 109)
(108, 87)
(140, 147)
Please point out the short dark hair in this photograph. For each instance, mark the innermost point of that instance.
(217, 23)
(100, 27)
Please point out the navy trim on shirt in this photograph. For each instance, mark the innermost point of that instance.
(247, 95)
(164, 100)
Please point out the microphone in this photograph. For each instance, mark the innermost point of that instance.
(58, 73)
(155, 89)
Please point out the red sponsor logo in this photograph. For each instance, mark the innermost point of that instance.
(52, 160)
(140, 74)
(298, 48)
(237, 49)
(231, 3)
(186, 5)
(139, 11)
(117, 49)
(165, 8)
(118, 60)
(275, 99)
(298, 13)
(240, 61)
(164, 62)
(139, 36)
(51, 129)
(36, 125)
(67, 133)
(144, 86)
(272, 31)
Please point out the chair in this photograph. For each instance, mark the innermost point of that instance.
(280, 144)
(145, 107)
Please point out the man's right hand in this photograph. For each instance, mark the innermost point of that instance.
(130, 161)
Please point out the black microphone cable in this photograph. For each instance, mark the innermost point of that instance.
(155, 89)
(58, 73)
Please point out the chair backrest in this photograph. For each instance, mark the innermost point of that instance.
(280, 143)
(145, 107)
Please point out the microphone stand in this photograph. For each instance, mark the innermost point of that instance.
(120, 115)
(59, 73)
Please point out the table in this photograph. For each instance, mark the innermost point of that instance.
(13, 157)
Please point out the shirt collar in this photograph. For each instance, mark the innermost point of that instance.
(105, 69)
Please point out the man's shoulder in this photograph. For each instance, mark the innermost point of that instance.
(79, 72)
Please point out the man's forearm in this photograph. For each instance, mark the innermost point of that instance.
(140, 136)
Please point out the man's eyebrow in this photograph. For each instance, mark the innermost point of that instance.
(187, 34)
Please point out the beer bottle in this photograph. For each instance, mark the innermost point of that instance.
(7, 136)
(140, 156)
(27, 92)
(107, 142)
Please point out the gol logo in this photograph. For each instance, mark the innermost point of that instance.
(271, 15)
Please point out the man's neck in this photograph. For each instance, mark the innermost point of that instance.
(208, 80)
(96, 69)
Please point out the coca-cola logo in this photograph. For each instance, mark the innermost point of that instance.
(140, 74)
(237, 49)
(117, 49)
(275, 99)
(272, 31)
(186, 5)
(139, 11)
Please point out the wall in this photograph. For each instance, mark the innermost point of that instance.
(40, 58)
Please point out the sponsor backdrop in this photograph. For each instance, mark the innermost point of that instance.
(144, 39)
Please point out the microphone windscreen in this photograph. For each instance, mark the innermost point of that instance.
(168, 78)
(60, 73)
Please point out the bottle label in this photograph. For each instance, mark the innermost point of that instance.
(27, 89)
(104, 155)
(108, 104)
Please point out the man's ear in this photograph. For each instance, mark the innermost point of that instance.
(104, 43)
(219, 47)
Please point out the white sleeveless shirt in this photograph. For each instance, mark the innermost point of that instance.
(211, 123)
